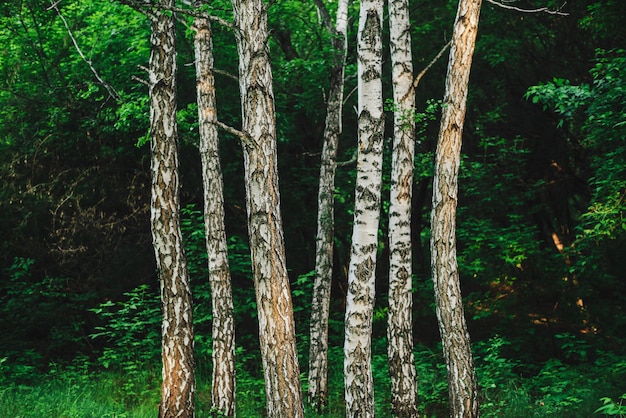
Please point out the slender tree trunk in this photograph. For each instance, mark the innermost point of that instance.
(177, 394)
(400, 317)
(359, 389)
(463, 390)
(276, 323)
(223, 336)
(320, 306)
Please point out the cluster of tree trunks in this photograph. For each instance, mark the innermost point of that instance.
(258, 134)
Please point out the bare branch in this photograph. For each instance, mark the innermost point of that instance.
(112, 93)
(226, 74)
(324, 16)
(430, 64)
(540, 10)
(140, 80)
(245, 138)
(146, 7)
(349, 162)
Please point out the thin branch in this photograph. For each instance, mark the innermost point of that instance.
(418, 78)
(226, 74)
(148, 7)
(351, 161)
(430, 64)
(350, 94)
(540, 10)
(140, 80)
(114, 94)
(325, 16)
(245, 138)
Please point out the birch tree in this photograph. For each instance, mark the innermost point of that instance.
(359, 390)
(320, 306)
(178, 387)
(400, 317)
(462, 383)
(273, 295)
(223, 331)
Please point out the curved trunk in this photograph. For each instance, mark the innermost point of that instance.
(320, 306)
(462, 383)
(223, 335)
(177, 394)
(361, 273)
(273, 295)
(400, 317)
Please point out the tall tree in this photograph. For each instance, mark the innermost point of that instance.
(177, 397)
(359, 390)
(320, 306)
(400, 317)
(462, 383)
(273, 294)
(223, 332)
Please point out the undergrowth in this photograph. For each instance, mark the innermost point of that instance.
(557, 389)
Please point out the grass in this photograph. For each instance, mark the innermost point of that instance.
(556, 390)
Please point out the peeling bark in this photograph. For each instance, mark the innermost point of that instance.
(276, 323)
(223, 331)
(359, 390)
(178, 387)
(462, 381)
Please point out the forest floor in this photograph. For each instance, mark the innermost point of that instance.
(555, 390)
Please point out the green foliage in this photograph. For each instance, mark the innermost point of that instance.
(613, 408)
(131, 329)
(57, 320)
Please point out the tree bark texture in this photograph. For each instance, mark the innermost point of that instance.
(359, 390)
(320, 306)
(400, 318)
(273, 295)
(178, 387)
(462, 382)
(223, 333)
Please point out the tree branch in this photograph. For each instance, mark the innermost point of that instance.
(245, 138)
(324, 16)
(147, 8)
(112, 93)
(351, 161)
(540, 10)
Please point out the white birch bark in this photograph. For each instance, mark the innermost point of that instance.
(462, 383)
(359, 390)
(320, 306)
(178, 387)
(400, 317)
(273, 295)
(223, 331)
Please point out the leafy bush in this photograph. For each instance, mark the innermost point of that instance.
(613, 408)
(133, 339)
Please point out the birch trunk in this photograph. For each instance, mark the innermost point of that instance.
(223, 334)
(320, 306)
(359, 390)
(400, 317)
(462, 382)
(177, 394)
(273, 295)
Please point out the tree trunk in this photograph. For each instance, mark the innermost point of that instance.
(177, 395)
(320, 306)
(359, 390)
(463, 390)
(223, 335)
(400, 317)
(276, 323)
